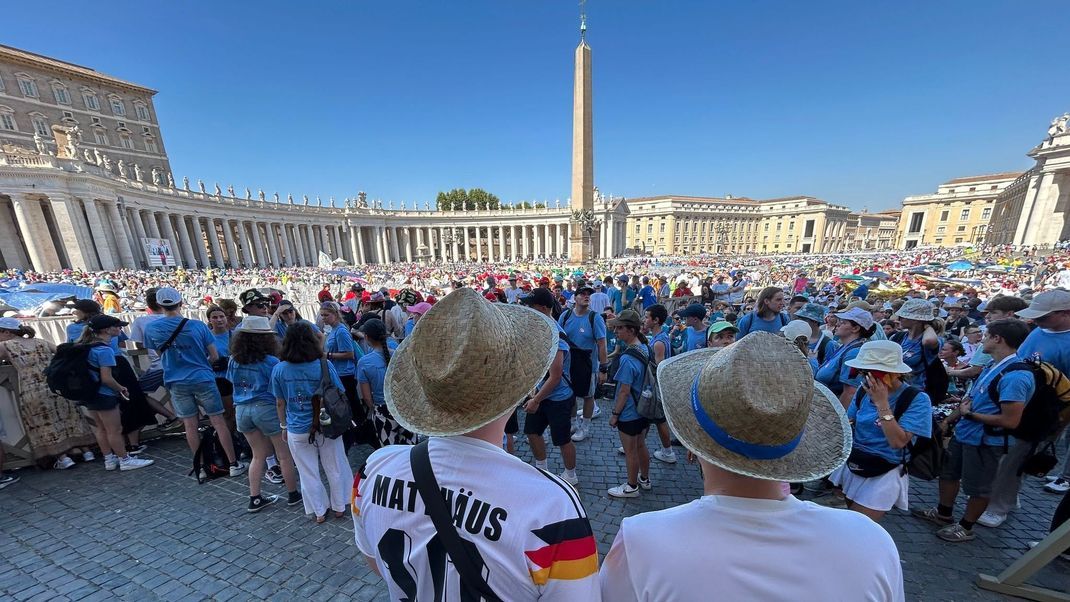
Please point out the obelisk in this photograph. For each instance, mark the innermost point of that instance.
(581, 247)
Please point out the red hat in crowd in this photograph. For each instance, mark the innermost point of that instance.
(431, 299)
(490, 297)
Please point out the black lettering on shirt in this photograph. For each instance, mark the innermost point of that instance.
(497, 517)
(397, 495)
(382, 485)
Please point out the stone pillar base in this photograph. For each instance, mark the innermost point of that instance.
(581, 245)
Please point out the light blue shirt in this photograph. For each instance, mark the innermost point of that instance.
(563, 390)
(371, 369)
(695, 338)
(630, 372)
(663, 338)
(102, 356)
(917, 357)
(578, 329)
(752, 323)
(74, 331)
(1016, 386)
(222, 345)
(835, 373)
(340, 341)
(297, 383)
(186, 360)
(1053, 347)
(615, 299)
(252, 382)
(868, 435)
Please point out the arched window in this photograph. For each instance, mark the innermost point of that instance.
(40, 124)
(118, 108)
(89, 97)
(27, 84)
(142, 111)
(126, 141)
(60, 93)
(7, 119)
(150, 145)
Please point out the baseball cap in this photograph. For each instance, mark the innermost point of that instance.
(857, 315)
(168, 297)
(88, 306)
(104, 321)
(720, 326)
(695, 310)
(538, 296)
(795, 329)
(1047, 302)
(9, 324)
(420, 308)
(628, 317)
(584, 290)
(251, 296)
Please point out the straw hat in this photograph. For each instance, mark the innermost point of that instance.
(916, 309)
(467, 363)
(885, 356)
(754, 409)
(255, 324)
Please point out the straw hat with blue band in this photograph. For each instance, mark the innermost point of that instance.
(753, 408)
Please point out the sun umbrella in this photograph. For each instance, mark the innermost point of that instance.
(960, 266)
(876, 274)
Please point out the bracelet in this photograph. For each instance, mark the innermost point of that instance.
(282, 426)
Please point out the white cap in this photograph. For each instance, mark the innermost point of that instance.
(795, 329)
(168, 297)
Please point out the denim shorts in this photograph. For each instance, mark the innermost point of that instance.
(102, 403)
(257, 416)
(186, 397)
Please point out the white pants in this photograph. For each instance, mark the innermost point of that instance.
(331, 454)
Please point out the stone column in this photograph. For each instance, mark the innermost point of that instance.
(31, 220)
(273, 244)
(100, 238)
(336, 234)
(258, 245)
(551, 240)
(479, 244)
(198, 241)
(536, 231)
(467, 252)
(246, 247)
(288, 245)
(420, 240)
(139, 231)
(442, 243)
(76, 239)
(299, 251)
(610, 229)
(312, 246)
(514, 249)
(228, 239)
(408, 244)
(564, 234)
(490, 244)
(395, 247)
(213, 241)
(169, 233)
(525, 241)
(151, 224)
(354, 243)
(501, 243)
(187, 245)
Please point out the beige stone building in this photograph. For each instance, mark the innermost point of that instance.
(681, 225)
(872, 231)
(113, 117)
(958, 213)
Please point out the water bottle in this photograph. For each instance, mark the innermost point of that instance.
(325, 418)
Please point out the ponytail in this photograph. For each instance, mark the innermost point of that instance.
(88, 336)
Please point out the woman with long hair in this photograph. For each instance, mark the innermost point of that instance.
(631, 374)
(768, 314)
(252, 359)
(853, 328)
(340, 350)
(104, 409)
(294, 382)
(52, 424)
(371, 378)
(920, 338)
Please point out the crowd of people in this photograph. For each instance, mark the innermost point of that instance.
(782, 378)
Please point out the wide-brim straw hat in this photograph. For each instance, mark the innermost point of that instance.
(255, 325)
(758, 397)
(467, 363)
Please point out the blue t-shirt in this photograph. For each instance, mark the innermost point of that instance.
(649, 298)
(630, 372)
(663, 338)
(917, 357)
(615, 299)
(252, 382)
(101, 356)
(371, 369)
(630, 294)
(74, 331)
(1016, 386)
(340, 341)
(297, 383)
(1053, 347)
(563, 390)
(186, 360)
(752, 323)
(868, 436)
(695, 338)
(280, 327)
(409, 325)
(222, 345)
(578, 329)
(835, 373)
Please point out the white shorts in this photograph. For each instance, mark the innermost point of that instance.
(878, 493)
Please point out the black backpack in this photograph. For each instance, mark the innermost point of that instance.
(923, 458)
(209, 461)
(69, 374)
(936, 379)
(581, 365)
(330, 400)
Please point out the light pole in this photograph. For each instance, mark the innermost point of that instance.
(587, 222)
(722, 231)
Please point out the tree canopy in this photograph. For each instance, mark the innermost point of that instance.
(459, 198)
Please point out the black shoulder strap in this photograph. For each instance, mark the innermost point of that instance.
(565, 315)
(174, 335)
(905, 399)
(859, 393)
(459, 553)
(783, 319)
(898, 337)
(592, 322)
(993, 387)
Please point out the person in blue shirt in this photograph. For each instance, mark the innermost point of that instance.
(647, 294)
(286, 316)
(632, 427)
(879, 437)
(978, 445)
(371, 377)
(252, 360)
(768, 314)
(660, 350)
(341, 350)
(695, 332)
(294, 382)
(853, 327)
(220, 327)
(616, 296)
(550, 405)
(587, 331)
(85, 310)
(98, 332)
(415, 313)
(187, 372)
(630, 291)
(920, 343)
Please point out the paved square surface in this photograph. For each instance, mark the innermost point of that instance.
(155, 534)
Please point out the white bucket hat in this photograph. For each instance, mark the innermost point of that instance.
(255, 325)
(916, 309)
(886, 356)
(753, 408)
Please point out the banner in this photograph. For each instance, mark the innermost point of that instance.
(159, 252)
(325, 261)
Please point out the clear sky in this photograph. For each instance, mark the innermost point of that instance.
(858, 103)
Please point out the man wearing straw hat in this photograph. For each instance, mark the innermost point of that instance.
(517, 532)
(756, 542)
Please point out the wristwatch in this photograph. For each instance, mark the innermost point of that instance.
(886, 417)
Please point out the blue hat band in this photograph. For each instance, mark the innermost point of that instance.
(747, 449)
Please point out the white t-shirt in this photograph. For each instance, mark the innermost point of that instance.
(137, 334)
(599, 302)
(751, 549)
(528, 525)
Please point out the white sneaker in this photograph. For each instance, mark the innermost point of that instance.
(991, 519)
(595, 414)
(620, 449)
(669, 457)
(581, 432)
(132, 463)
(1050, 478)
(624, 490)
(88, 456)
(574, 481)
(237, 470)
(645, 483)
(63, 463)
(1059, 485)
(111, 462)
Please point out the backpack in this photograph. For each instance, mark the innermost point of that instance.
(209, 461)
(1047, 411)
(332, 402)
(924, 457)
(936, 379)
(70, 375)
(747, 321)
(823, 349)
(648, 402)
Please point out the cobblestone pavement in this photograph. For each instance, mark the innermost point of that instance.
(87, 534)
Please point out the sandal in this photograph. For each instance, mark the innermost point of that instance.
(321, 519)
(340, 514)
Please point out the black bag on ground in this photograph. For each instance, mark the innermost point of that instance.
(69, 374)
(209, 461)
(1040, 461)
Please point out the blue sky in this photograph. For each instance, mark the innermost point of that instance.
(858, 103)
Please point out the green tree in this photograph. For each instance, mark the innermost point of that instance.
(458, 198)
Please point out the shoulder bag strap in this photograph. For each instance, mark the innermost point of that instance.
(325, 377)
(460, 554)
(174, 335)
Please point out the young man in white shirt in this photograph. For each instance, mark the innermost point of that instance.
(524, 529)
(755, 419)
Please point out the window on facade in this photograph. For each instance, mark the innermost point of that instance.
(142, 112)
(150, 145)
(91, 101)
(101, 137)
(95, 120)
(126, 142)
(7, 120)
(915, 223)
(40, 126)
(779, 226)
(961, 229)
(2, 87)
(61, 95)
(117, 107)
(986, 213)
(943, 215)
(941, 229)
(965, 215)
(28, 87)
(663, 226)
(650, 228)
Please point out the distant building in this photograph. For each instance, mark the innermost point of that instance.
(872, 231)
(958, 212)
